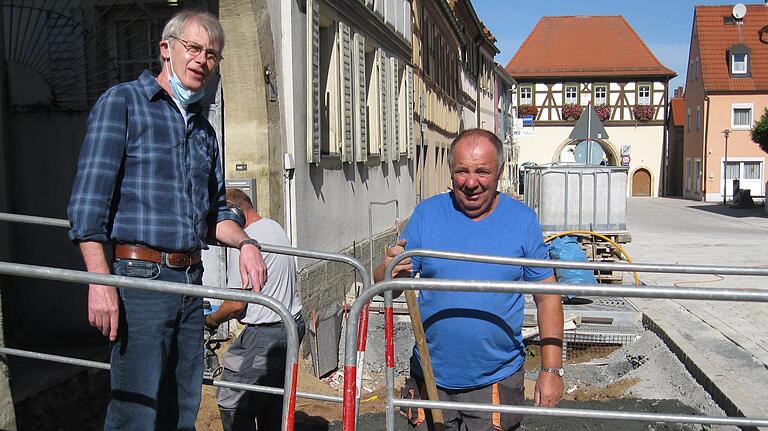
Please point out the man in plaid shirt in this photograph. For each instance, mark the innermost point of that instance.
(150, 189)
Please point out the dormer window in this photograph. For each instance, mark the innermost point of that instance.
(738, 60)
(738, 63)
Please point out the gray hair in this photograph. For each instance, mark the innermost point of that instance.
(175, 26)
(479, 134)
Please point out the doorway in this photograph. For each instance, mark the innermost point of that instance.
(641, 183)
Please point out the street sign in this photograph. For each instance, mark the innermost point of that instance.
(588, 126)
(624, 160)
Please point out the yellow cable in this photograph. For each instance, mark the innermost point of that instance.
(601, 236)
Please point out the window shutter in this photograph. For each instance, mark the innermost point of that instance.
(383, 104)
(345, 37)
(394, 83)
(409, 111)
(313, 81)
(361, 115)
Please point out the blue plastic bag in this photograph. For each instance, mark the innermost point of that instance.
(568, 248)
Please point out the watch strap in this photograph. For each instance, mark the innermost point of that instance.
(250, 241)
(557, 371)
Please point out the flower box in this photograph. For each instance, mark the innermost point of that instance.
(643, 112)
(603, 112)
(572, 111)
(527, 110)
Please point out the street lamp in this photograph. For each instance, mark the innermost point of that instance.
(726, 132)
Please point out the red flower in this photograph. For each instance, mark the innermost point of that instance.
(643, 112)
(572, 111)
(603, 112)
(527, 110)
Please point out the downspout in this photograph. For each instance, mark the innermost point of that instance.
(665, 141)
(704, 151)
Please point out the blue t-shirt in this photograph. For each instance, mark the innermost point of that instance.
(474, 338)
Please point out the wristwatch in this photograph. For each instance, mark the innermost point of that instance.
(250, 241)
(557, 371)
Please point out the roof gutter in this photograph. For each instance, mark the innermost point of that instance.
(454, 22)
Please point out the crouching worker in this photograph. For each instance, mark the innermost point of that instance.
(257, 357)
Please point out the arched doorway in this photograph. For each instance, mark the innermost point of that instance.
(564, 152)
(641, 183)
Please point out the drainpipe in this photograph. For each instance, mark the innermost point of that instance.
(665, 141)
(704, 151)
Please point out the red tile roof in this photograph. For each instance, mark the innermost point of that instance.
(678, 111)
(584, 46)
(715, 37)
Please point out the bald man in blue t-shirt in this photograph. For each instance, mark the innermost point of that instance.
(474, 338)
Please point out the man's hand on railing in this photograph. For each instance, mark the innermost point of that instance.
(103, 312)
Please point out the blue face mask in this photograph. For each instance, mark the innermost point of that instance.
(182, 94)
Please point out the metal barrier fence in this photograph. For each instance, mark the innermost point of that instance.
(755, 295)
(292, 349)
(361, 330)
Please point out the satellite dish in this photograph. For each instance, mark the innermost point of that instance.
(739, 10)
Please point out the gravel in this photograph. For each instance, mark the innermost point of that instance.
(655, 380)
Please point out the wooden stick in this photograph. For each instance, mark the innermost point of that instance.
(426, 362)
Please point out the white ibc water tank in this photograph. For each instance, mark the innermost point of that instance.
(578, 197)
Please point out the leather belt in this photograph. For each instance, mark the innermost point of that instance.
(173, 259)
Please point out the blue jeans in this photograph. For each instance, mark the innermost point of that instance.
(157, 361)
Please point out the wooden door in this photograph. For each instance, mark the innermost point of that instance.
(641, 183)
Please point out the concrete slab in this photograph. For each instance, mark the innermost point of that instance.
(723, 344)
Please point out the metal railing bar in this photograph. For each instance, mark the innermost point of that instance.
(292, 353)
(364, 275)
(272, 390)
(54, 358)
(583, 413)
(628, 267)
(105, 366)
(668, 292)
(639, 267)
(528, 287)
(45, 221)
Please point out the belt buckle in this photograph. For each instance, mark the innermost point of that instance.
(167, 261)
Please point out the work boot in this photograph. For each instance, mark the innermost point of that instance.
(232, 420)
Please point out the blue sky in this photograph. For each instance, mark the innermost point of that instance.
(664, 25)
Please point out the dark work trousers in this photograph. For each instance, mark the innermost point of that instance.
(509, 391)
(257, 357)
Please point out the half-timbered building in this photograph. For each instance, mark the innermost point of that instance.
(568, 62)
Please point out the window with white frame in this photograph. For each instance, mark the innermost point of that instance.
(330, 88)
(741, 116)
(688, 120)
(643, 94)
(601, 94)
(731, 170)
(739, 64)
(372, 100)
(752, 170)
(571, 94)
(526, 95)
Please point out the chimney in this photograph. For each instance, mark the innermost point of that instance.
(679, 90)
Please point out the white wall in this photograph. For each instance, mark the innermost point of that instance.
(645, 143)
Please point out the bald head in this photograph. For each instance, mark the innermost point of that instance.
(476, 136)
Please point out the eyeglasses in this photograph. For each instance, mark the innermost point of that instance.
(194, 50)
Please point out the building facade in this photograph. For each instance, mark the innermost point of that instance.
(558, 74)
(436, 42)
(726, 89)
